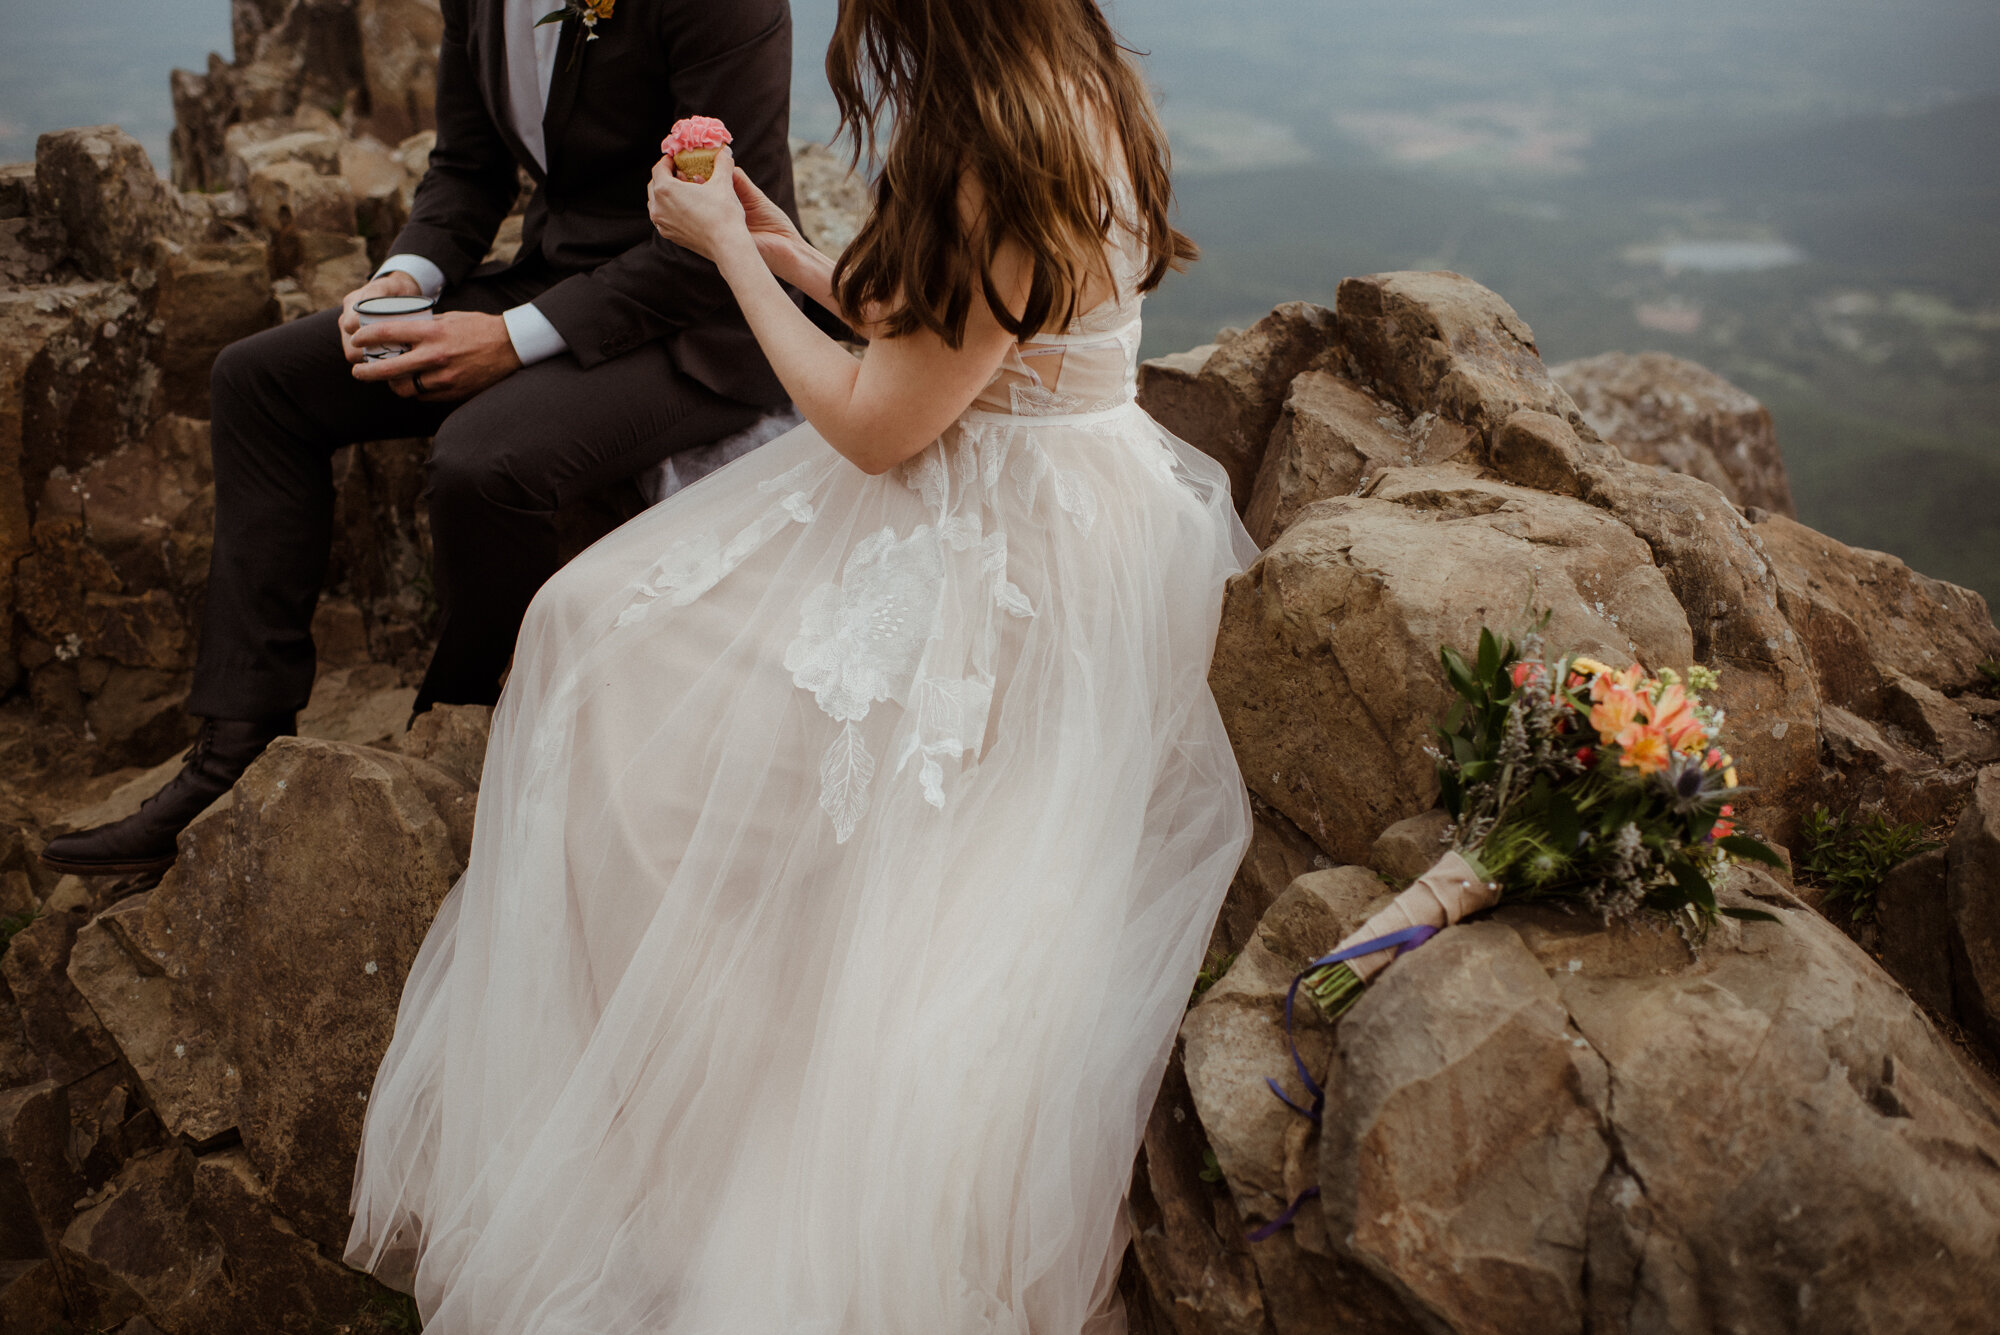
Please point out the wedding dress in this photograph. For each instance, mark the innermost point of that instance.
(846, 850)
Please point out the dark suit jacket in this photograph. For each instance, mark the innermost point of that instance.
(618, 284)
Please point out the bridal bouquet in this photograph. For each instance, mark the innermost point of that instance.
(1566, 781)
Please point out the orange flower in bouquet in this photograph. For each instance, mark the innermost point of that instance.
(1567, 781)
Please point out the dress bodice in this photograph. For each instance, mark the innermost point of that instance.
(1092, 365)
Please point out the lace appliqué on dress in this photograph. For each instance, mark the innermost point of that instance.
(693, 566)
(860, 641)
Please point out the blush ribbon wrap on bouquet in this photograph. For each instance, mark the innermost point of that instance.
(1449, 891)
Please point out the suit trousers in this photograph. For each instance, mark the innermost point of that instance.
(501, 464)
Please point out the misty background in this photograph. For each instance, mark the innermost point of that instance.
(1802, 194)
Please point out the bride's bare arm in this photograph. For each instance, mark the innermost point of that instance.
(792, 258)
(877, 412)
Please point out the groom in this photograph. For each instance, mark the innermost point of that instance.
(599, 351)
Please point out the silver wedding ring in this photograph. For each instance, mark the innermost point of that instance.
(417, 381)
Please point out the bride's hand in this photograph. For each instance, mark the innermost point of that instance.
(769, 227)
(698, 216)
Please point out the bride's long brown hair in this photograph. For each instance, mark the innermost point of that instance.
(999, 93)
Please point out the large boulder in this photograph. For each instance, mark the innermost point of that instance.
(314, 884)
(1715, 563)
(1896, 657)
(1441, 343)
(100, 186)
(188, 1245)
(1225, 398)
(1326, 666)
(1868, 617)
(1972, 904)
(1332, 439)
(1534, 1123)
(1675, 414)
(210, 294)
(399, 53)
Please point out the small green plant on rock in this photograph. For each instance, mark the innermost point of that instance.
(14, 923)
(384, 1313)
(1990, 670)
(1212, 969)
(1850, 856)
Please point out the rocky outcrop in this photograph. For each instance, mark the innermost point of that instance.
(98, 187)
(1422, 398)
(123, 291)
(1227, 395)
(371, 64)
(1553, 1125)
(1682, 417)
(1896, 657)
(186, 977)
(1354, 600)
(1531, 1123)
(181, 1146)
(1972, 912)
(1547, 1125)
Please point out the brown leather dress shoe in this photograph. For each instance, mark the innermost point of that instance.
(146, 840)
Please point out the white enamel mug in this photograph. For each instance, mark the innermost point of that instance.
(377, 309)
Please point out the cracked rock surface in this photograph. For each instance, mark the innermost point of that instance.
(1536, 1124)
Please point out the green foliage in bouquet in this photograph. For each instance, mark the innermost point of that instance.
(1570, 782)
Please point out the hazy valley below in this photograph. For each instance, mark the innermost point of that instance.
(1807, 201)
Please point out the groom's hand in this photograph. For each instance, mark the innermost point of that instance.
(451, 357)
(391, 284)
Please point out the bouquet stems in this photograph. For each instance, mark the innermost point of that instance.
(1451, 890)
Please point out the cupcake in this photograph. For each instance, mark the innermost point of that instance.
(693, 144)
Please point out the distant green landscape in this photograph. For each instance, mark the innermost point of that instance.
(1873, 335)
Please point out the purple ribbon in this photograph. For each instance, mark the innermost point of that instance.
(1409, 938)
(1286, 1217)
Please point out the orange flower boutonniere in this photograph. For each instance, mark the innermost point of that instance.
(587, 12)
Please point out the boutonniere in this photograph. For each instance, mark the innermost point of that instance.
(587, 12)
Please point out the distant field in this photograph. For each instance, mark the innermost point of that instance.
(1878, 353)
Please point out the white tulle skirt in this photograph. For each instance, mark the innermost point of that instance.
(846, 850)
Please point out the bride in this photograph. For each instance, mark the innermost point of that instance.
(855, 819)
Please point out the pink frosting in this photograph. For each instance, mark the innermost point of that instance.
(695, 132)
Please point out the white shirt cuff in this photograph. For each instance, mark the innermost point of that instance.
(534, 338)
(429, 277)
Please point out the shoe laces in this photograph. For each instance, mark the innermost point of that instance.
(199, 751)
(191, 760)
